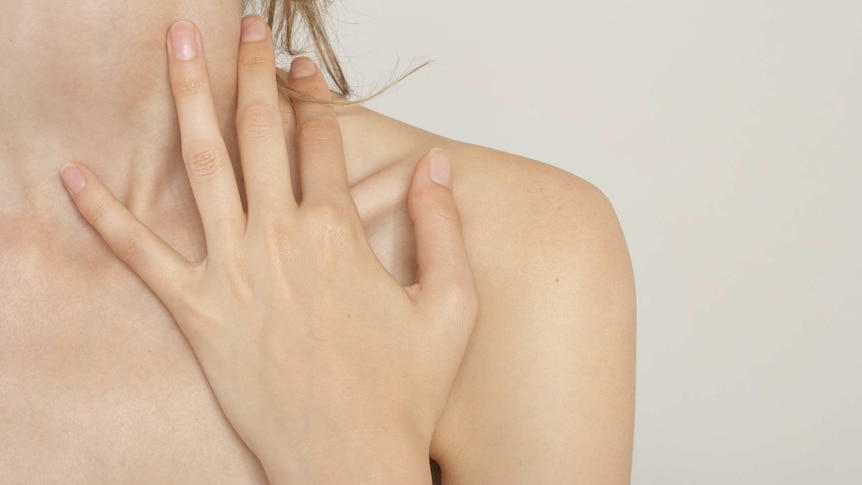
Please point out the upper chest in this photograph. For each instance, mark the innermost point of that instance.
(97, 383)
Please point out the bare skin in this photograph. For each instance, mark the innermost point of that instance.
(98, 385)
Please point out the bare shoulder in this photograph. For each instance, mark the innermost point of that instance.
(536, 199)
(546, 391)
(556, 225)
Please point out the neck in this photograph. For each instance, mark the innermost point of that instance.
(86, 80)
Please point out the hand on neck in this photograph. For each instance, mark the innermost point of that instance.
(87, 81)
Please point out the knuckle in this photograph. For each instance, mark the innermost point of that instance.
(96, 207)
(330, 215)
(278, 242)
(259, 121)
(333, 227)
(276, 232)
(203, 160)
(439, 216)
(445, 213)
(458, 299)
(318, 129)
(241, 280)
(254, 62)
(130, 248)
(428, 201)
(188, 86)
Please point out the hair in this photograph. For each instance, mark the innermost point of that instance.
(288, 18)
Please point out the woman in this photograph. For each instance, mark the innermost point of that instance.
(100, 385)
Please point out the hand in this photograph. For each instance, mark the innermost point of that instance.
(325, 365)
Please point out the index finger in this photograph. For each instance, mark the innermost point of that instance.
(163, 269)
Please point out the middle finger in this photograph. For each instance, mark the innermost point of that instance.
(262, 146)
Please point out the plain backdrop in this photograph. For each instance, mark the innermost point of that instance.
(728, 135)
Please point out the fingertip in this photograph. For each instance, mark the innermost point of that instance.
(73, 178)
(432, 173)
(302, 67)
(183, 41)
(253, 29)
(440, 167)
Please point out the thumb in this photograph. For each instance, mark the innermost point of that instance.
(444, 276)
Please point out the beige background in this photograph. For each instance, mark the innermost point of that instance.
(727, 134)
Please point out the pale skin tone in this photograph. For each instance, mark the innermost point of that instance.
(307, 365)
(98, 383)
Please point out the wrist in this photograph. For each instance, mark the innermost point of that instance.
(379, 460)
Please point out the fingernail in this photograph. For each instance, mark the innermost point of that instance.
(302, 67)
(184, 42)
(253, 29)
(440, 168)
(73, 179)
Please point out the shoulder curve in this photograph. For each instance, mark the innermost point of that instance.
(549, 226)
(498, 167)
(557, 303)
(526, 195)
